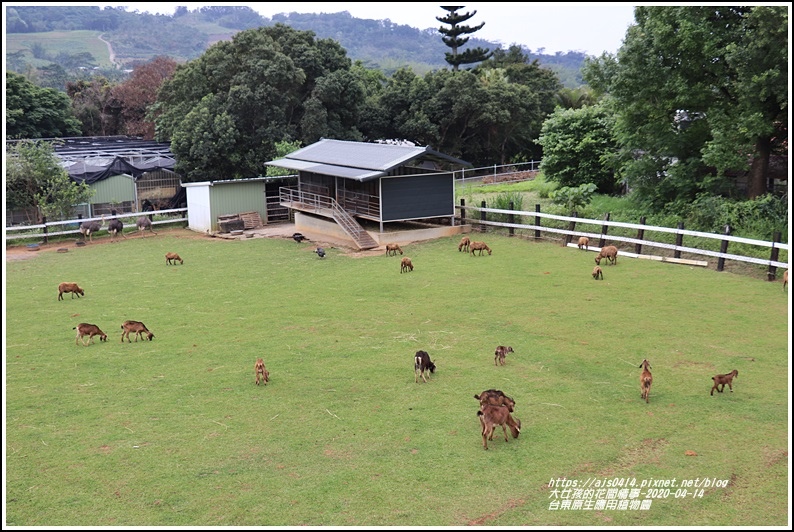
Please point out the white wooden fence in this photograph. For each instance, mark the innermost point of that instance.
(39, 231)
(772, 262)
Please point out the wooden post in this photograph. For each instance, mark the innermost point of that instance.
(640, 236)
(571, 227)
(44, 221)
(537, 220)
(482, 217)
(462, 212)
(679, 241)
(510, 218)
(771, 274)
(723, 249)
(604, 228)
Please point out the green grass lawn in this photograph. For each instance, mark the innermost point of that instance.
(174, 432)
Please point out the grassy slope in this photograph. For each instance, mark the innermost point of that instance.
(174, 431)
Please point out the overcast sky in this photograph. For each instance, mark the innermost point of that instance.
(592, 28)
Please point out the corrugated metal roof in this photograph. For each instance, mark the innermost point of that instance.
(361, 161)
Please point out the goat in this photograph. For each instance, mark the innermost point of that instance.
(422, 363)
(584, 242)
(406, 265)
(261, 371)
(491, 416)
(646, 379)
(90, 330)
(497, 398)
(479, 246)
(116, 227)
(138, 328)
(721, 380)
(500, 353)
(785, 279)
(392, 249)
(598, 273)
(464, 244)
(65, 288)
(171, 258)
(610, 252)
(90, 227)
(143, 223)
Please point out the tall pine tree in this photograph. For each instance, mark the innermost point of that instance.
(452, 38)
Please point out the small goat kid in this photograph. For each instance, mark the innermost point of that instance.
(646, 379)
(422, 364)
(785, 279)
(171, 258)
(392, 249)
(90, 330)
(500, 353)
(611, 254)
(721, 380)
(479, 246)
(598, 273)
(584, 242)
(136, 327)
(406, 265)
(464, 244)
(491, 416)
(65, 288)
(261, 371)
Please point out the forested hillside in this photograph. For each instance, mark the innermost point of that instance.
(137, 37)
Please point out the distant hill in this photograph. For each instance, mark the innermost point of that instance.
(39, 36)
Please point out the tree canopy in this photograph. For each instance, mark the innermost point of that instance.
(452, 37)
(700, 94)
(33, 112)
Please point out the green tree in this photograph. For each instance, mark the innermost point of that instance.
(700, 93)
(452, 37)
(283, 149)
(225, 111)
(33, 112)
(94, 105)
(579, 147)
(35, 178)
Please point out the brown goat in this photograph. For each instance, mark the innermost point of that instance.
(143, 223)
(500, 353)
(392, 249)
(785, 279)
(65, 288)
(169, 257)
(722, 380)
(479, 246)
(422, 364)
(491, 416)
(496, 398)
(646, 379)
(90, 330)
(406, 265)
(136, 327)
(584, 242)
(261, 371)
(464, 244)
(610, 252)
(598, 273)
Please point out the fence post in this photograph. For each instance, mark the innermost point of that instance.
(640, 236)
(571, 227)
(44, 221)
(771, 274)
(462, 211)
(602, 242)
(723, 249)
(679, 241)
(537, 220)
(510, 219)
(482, 217)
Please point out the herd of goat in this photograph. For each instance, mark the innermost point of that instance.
(495, 408)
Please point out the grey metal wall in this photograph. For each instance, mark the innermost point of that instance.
(414, 197)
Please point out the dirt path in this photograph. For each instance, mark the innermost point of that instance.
(110, 51)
